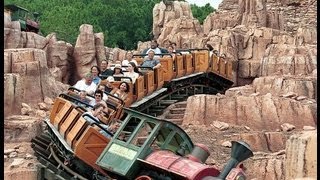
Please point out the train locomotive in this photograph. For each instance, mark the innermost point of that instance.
(144, 147)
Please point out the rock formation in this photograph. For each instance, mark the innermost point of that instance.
(27, 79)
(273, 104)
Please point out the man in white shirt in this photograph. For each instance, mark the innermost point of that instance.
(154, 47)
(86, 84)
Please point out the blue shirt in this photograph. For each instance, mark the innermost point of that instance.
(96, 80)
(150, 63)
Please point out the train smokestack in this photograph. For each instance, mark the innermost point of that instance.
(240, 151)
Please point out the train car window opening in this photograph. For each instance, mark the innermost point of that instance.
(161, 137)
(142, 133)
(176, 142)
(126, 133)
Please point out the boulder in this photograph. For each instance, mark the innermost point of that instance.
(100, 49)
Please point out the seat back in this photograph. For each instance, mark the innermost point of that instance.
(62, 114)
(76, 131)
(117, 103)
(167, 68)
(158, 78)
(180, 66)
(139, 88)
(139, 60)
(68, 123)
(89, 147)
(201, 60)
(189, 64)
(149, 81)
(57, 106)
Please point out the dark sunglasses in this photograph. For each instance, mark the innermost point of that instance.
(97, 95)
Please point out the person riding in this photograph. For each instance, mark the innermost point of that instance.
(95, 116)
(98, 96)
(122, 91)
(95, 71)
(86, 84)
(131, 72)
(105, 70)
(151, 61)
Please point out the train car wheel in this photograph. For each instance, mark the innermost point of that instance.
(143, 177)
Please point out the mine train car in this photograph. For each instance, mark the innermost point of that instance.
(143, 147)
(177, 71)
(28, 21)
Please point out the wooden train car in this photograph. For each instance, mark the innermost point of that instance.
(182, 69)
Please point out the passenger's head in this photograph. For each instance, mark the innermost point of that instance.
(173, 44)
(104, 65)
(154, 44)
(95, 71)
(170, 49)
(124, 86)
(117, 69)
(98, 109)
(166, 44)
(151, 54)
(132, 67)
(129, 55)
(88, 78)
(98, 95)
(102, 87)
(83, 94)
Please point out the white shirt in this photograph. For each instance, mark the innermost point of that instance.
(125, 62)
(156, 50)
(81, 85)
(132, 75)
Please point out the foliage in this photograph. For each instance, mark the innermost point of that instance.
(123, 22)
(201, 12)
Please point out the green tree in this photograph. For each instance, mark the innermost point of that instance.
(201, 12)
(123, 22)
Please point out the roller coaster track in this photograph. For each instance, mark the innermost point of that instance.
(180, 89)
(53, 162)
